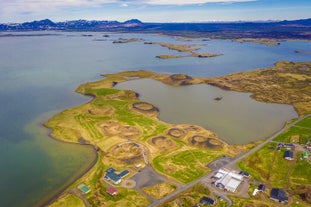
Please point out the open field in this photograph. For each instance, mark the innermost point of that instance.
(68, 201)
(160, 190)
(189, 197)
(299, 134)
(186, 165)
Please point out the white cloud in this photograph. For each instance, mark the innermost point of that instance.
(20, 10)
(188, 2)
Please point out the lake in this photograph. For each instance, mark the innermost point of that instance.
(236, 118)
(40, 73)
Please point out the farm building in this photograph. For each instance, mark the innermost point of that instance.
(288, 155)
(278, 195)
(228, 180)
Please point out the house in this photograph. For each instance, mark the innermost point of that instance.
(278, 195)
(309, 146)
(244, 174)
(288, 155)
(262, 188)
(111, 175)
(207, 201)
(112, 191)
(123, 173)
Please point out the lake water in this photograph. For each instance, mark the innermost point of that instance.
(38, 79)
(236, 118)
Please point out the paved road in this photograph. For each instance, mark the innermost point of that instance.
(233, 162)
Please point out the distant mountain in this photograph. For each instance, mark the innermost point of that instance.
(296, 29)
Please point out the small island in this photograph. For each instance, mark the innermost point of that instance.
(183, 48)
(263, 41)
(127, 40)
(132, 143)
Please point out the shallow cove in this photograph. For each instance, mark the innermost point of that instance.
(236, 118)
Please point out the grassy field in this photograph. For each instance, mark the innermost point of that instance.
(160, 190)
(301, 173)
(68, 201)
(240, 202)
(189, 197)
(259, 164)
(186, 165)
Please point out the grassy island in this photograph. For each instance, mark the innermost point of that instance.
(190, 48)
(264, 41)
(128, 135)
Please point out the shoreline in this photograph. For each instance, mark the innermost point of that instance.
(50, 199)
(84, 172)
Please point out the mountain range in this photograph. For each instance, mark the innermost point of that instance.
(295, 29)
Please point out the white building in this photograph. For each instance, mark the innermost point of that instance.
(228, 180)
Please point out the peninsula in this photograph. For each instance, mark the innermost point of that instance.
(132, 143)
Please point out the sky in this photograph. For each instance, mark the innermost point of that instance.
(15, 11)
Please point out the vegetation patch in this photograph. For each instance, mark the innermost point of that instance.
(281, 84)
(301, 173)
(160, 190)
(176, 132)
(185, 165)
(163, 143)
(202, 141)
(242, 202)
(68, 200)
(189, 197)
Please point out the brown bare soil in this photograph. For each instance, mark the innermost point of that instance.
(112, 128)
(176, 132)
(127, 153)
(202, 141)
(163, 143)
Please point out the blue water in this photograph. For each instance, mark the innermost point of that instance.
(38, 79)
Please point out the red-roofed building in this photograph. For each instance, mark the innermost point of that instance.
(112, 191)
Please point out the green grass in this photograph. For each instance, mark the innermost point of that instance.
(188, 197)
(302, 131)
(296, 131)
(242, 202)
(102, 91)
(68, 201)
(301, 173)
(259, 163)
(305, 123)
(279, 170)
(89, 124)
(185, 166)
